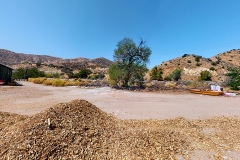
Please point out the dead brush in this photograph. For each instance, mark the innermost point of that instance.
(48, 82)
(39, 80)
(59, 83)
(73, 83)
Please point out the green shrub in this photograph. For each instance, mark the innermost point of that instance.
(198, 64)
(167, 78)
(189, 61)
(212, 68)
(185, 55)
(214, 63)
(156, 74)
(234, 75)
(205, 76)
(197, 58)
(175, 75)
(83, 73)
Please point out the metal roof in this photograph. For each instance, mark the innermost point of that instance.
(6, 66)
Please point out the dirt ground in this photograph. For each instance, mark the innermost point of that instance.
(209, 136)
(30, 99)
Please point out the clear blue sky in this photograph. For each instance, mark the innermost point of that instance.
(92, 28)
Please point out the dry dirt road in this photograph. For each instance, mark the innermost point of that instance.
(32, 98)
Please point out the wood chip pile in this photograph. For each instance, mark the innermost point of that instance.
(79, 130)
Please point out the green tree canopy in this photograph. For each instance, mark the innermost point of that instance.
(130, 62)
(27, 73)
(18, 73)
(205, 76)
(234, 75)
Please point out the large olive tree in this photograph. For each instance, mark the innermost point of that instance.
(130, 62)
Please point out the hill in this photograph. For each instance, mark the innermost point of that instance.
(51, 64)
(192, 65)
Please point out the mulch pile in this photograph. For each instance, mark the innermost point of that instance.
(79, 130)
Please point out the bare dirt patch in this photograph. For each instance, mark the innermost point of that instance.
(34, 98)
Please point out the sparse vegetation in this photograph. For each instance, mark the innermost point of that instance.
(189, 61)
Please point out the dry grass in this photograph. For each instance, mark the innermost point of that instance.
(79, 130)
(55, 82)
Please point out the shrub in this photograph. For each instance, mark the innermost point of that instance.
(38, 80)
(83, 73)
(212, 68)
(58, 83)
(185, 55)
(48, 82)
(72, 83)
(214, 63)
(167, 78)
(198, 64)
(156, 73)
(175, 75)
(197, 58)
(189, 61)
(93, 77)
(234, 75)
(205, 76)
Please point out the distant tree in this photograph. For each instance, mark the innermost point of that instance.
(130, 62)
(156, 73)
(34, 73)
(234, 75)
(18, 74)
(27, 73)
(205, 76)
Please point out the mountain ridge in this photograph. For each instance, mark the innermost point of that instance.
(12, 58)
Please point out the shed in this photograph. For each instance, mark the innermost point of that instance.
(5, 73)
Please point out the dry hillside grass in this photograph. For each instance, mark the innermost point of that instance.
(79, 130)
(219, 64)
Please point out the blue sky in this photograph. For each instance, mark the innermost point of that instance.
(92, 28)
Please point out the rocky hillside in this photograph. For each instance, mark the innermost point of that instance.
(17, 60)
(192, 65)
(12, 58)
